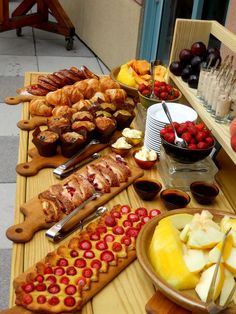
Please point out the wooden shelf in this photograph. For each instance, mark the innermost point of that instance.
(186, 33)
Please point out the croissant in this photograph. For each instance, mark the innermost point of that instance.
(116, 95)
(63, 111)
(83, 104)
(107, 82)
(40, 107)
(65, 96)
(100, 97)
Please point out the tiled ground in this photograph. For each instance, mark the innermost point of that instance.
(36, 50)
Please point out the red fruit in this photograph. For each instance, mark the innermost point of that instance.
(54, 288)
(169, 137)
(200, 126)
(27, 299)
(176, 124)
(202, 145)
(157, 83)
(200, 137)
(141, 212)
(193, 141)
(29, 287)
(154, 213)
(41, 299)
(126, 240)
(89, 254)
(101, 245)
(74, 253)
(109, 238)
(182, 128)
(80, 263)
(69, 301)
(116, 214)
(146, 92)
(85, 245)
(118, 230)
(64, 280)
(81, 281)
(125, 209)
(96, 264)
(41, 287)
(192, 146)
(87, 273)
(145, 219)
(94, 236)
(163, 132)
(193, 130)
(48, 270)
(53, 301)
(107, 256)
(186, 136)
(232, 127)
(141, 87)
(59, 271)
(110, 221)
(39, 278)
(101, 229)
(133, 217)
(71, 271)
(163, 95)
(233, 142)
(62, 262)
(116, 247)
(139, 225)
(127, 223)
(51, 279)
(132, 232)
(70, 289)
(209, 140)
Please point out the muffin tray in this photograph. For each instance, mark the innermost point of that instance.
(35, 218)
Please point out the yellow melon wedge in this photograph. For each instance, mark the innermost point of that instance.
(166, 257)
(230, 262)
(227, 287)
(179, 220)
(125, 76)
(215, 252)
(195, 260)
(204, 238)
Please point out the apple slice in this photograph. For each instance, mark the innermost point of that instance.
(204, 238)
(202, 288)
(230, 262)
(215, 252)
(227, 287)
(195, 260)
(179, 220)
(227, 223)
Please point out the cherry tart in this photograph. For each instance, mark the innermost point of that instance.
(69, 276)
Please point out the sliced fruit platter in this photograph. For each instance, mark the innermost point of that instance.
(193, 239)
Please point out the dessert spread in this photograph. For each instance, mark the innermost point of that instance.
(146, 154)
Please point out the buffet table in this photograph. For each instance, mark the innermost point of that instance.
(131, 290)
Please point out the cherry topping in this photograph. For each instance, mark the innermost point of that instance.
(116, 214)
(74, 253)
(118, 230)
(41, 299)
(87, 273)
(59, 271)
(39, 278)
(101, 245)
(126, 240)
(62, 262)
(133, 217)
(139, 225)
(69, 301)
(125, 209)
(95, 236)
(54, 288)
(89, 254)
(71, 271)
(145, 219)
(53, 301)
(71, 289)
(48, 270)
(81, 281)
(110, 221)
(29, 287)
(116, 247)
(96, 264)
(41, 287)
(107, 256)
(27, 299)
(65, 280)
(109, 238)
(101, 229)
(80, 263)
(127, 223)
(141, 211)
(154, 212)
(51, 279)
(85, 245)
(132, 232)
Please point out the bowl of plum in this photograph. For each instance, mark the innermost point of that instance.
(162, 91)
(198, 138)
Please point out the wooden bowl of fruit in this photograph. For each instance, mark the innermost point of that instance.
(171, 256)
(199, 139)
(162, 91)
(131, 91)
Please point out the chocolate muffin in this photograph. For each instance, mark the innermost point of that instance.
(46, 142)
(71, 142)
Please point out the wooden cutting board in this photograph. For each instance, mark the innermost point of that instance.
(35, 218)
(31, 124)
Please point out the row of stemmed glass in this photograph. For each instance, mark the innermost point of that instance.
(217, 90)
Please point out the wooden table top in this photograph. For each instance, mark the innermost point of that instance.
(127, 293)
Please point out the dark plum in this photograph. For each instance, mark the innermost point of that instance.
(176, 68)
(186, 73)
(185, 55)
(195, 63)
(193, 81)
(198, 49)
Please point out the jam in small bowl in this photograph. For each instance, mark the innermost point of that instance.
(147, 189)
(204, 192)
(174, 198)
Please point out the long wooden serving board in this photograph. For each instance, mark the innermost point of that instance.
(35, 218)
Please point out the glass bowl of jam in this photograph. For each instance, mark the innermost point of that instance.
(147, 189)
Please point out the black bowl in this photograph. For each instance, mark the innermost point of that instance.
(204, 192)
(185, 155)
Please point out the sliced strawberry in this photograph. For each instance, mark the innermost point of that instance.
(41, 299)
(51, 279)
(70, 289)
(39, 278)
(54, 288)
(116, 214)
(133, 217)
(118, 230)
(48, 270)
(64, 280)
(41, 287)
(59, 271)
(125, 209)
(96, 264)
(53, 301)
(69, 301)
(71, 271)
(74, 253)
(141, 212)
(109, 238)
(80, 263)
(116, 247)
(87, 273)
(132, 232)
(95, 236)
(85, 245)
(110, 221)
(101, 245)
(29, 287)
(145, 219)
(62, 262)
(81, 281)
(127, 223)
(154, 212)
(126, 240)
(101, 229)
(107, 256)
(89, 254)
(27, 299)
(139, 225)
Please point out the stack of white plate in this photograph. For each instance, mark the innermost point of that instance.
(157, 119)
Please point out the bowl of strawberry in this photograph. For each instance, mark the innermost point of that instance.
(162, 91)
(199, 139)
